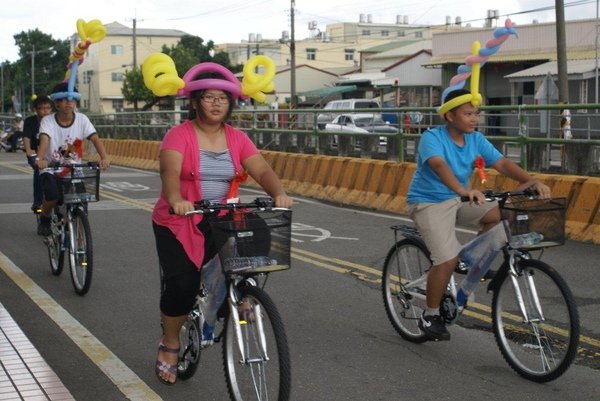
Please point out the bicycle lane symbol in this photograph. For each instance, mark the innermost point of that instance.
(313, 234)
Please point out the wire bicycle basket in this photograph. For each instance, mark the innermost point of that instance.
(79, 184)
(540, 217)
(253, 240)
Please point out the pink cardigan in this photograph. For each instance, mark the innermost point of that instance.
(182, 139)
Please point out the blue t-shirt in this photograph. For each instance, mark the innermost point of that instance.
(426, 185)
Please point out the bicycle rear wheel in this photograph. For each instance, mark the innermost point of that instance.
(404, 303)
(262, 371)
(80, 252)
(55, 242)
(541, 345)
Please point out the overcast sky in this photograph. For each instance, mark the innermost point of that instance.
(228, 21)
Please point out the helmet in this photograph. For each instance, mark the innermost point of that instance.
(18, 115)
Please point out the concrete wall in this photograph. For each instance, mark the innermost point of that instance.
(380, 185)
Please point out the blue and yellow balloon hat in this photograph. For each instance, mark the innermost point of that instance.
(160, 76)
(89, 32)
(472, 67)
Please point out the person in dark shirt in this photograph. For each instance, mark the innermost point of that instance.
(42, 106)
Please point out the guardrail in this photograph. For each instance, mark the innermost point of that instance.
(531, 135)
(378, 184)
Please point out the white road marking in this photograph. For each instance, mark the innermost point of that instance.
(123, 377)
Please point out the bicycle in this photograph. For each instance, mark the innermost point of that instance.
(78, 184)
(534, 315)
(254, 241)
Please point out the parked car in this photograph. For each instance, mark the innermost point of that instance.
(329, 111)
(360, 123)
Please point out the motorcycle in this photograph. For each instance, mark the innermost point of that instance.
(5, 141)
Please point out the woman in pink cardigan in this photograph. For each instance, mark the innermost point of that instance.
(198, 160)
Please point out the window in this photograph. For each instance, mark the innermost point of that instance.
(117, 76)
(385, 33)
(311, 54)
(116, 50)
(117, 104)
(401, 34)
(348, 54)
(419, 34)
(366, 32)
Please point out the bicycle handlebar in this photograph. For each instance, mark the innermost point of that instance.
(56, 166)
(208, 207)
(491, 195)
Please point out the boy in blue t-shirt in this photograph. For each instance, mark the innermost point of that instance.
(445, 160)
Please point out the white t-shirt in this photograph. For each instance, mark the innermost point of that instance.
(66, 143)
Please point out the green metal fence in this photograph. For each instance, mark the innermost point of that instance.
(531, 135)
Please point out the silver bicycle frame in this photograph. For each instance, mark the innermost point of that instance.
(530, 290)
(233, 302)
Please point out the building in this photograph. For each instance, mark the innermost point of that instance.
(508, 77)
(101, 75)
(340, 45)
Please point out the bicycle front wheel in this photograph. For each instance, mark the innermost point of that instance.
(189, 345)
(80, 252)
(55, 242)
(403, 287)
(538, 337)
(255, 351)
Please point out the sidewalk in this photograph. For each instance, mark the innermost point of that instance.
(24, 375)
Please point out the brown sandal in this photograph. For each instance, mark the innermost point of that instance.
(164, 367)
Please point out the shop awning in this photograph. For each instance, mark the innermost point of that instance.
(329, 91)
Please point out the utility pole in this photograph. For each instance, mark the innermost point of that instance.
(2, 87)
(134, 44)
(293, 101)
(135, 66)
(596, 68)
(561, 53)
(32, 70)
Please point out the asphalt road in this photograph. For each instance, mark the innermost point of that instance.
(103, 345)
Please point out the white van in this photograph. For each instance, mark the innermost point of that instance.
(330, 111)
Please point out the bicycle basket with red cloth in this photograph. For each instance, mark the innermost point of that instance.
(79, 183)
(257, 240)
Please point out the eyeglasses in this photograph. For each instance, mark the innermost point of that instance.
(215, 99)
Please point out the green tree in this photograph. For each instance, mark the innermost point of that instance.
(191, 50)
(49, 67)
(134, 90)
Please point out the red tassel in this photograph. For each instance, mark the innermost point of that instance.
(480, 165)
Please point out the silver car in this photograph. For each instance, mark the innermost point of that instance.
(362, 124)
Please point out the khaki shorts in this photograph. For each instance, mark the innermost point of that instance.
(437, 224)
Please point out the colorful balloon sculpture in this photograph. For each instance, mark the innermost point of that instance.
(89, 32)
(160, 76)
(229, 82)
(471, 68)
(255, 85)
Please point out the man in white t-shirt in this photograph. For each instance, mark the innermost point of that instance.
(61, 141)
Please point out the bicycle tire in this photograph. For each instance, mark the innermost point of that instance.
(260, 379)
(407, 260)
(538, 351)
(56, 252)
(190, 350)
(81, 258)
